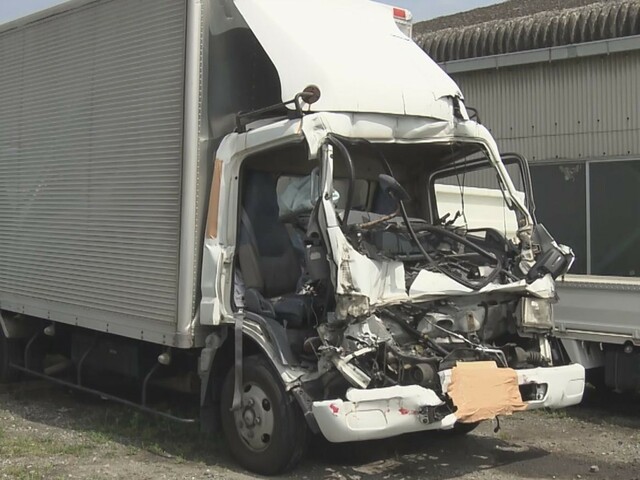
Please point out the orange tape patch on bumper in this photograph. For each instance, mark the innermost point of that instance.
(481, 391)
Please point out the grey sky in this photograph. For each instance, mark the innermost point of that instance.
(12, 9)
(422, 9)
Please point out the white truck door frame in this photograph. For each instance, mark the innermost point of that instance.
(222, 218)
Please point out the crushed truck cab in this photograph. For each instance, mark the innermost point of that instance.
(374, 244)
(286, 210)
(398, 321)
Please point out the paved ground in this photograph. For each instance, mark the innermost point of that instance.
(47, 432)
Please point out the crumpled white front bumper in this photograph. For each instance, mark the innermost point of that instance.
(387, 412)
(564, 385)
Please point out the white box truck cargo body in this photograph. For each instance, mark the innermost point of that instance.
(99, 159)
(597, 322)
(262, 202)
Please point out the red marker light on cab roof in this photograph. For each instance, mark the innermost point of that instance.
(400, 13)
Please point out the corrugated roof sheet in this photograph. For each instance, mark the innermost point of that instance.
(502, 10)
(598, 21)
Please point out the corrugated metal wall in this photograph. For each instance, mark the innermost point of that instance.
(91, 129)
(574, 109)
(485, 178)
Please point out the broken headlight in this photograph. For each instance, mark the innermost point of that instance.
(536, 314)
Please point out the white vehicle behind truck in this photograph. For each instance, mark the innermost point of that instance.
(598, 323)
(597, 317)
(249, 194)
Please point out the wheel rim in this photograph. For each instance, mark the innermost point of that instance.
(255, 420)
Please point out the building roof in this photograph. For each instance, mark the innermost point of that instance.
(501, 10)
(522, 26)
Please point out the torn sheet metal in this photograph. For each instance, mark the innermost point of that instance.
(358, 275)
(434, 284)
(383, 282)
(482, 391)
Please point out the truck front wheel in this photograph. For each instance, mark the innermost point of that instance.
(268, 434)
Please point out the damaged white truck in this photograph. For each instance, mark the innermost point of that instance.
(266, 203)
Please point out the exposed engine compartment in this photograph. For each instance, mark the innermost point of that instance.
(409, 344)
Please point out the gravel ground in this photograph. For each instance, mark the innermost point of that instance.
(48, 432)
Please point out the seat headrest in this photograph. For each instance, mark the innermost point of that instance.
(260, 198)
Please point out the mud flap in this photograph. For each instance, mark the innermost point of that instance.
(306, 405)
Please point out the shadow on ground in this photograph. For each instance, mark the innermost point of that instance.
(423, 455)
(601, 405)
(436, 457)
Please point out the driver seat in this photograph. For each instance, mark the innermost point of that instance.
(270, 266)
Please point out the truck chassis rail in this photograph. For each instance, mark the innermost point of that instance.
(78, 385)
(108, 396)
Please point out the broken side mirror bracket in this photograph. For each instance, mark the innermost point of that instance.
(309, 96)
(551, 260)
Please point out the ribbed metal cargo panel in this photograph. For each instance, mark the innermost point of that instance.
(91, 132)
(572, 109)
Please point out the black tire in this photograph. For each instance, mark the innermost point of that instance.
(282, 448)
(9, 353)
